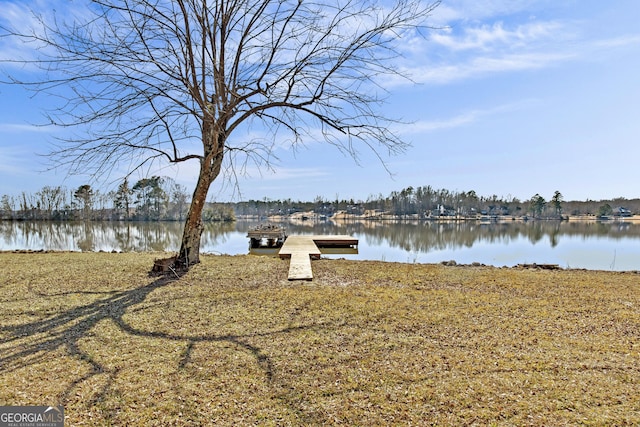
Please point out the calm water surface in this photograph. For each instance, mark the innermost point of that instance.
(591, 245)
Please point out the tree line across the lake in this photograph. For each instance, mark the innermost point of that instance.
(162, 199)
(148, 199)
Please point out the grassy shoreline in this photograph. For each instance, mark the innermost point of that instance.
(233, 342)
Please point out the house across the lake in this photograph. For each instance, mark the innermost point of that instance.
(622, 212)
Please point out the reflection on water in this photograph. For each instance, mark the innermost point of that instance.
(595, 245)
(103, 236)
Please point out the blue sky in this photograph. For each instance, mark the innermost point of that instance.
(512, 97)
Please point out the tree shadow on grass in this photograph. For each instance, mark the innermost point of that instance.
(28, 344)
(65, 329)
(33, 342)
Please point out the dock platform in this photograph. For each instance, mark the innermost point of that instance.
(302, 249)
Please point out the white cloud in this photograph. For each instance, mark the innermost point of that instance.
(278, 182)
(618, 42)
(480, 39)
(489, 37)
(279, 174)
(17, 16)
(478, 51)
(14, 159)
(27, 18)
(19, 128)
(467, 118)
(467, 11)
(483, 66)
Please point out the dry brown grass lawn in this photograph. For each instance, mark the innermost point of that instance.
(365, 343)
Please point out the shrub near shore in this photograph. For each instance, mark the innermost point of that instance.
(233, 342)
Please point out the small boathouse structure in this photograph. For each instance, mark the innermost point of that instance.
(266, 236)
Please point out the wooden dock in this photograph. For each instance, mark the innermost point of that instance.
(302, 249)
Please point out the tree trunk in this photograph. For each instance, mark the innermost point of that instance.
(193, 227)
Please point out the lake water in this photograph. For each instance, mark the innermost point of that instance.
(609, 245)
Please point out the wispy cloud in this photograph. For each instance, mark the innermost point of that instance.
(277, 180)
(497, 36)
(279, 174)
(13, 160)
(483, 66)
(477, 51)
(619, 42)
(468, 11)
(19, 128)
(483, 39)
(26, 17)
(16, 16)
(466, 118)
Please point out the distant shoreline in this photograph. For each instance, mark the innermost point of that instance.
(343, 216)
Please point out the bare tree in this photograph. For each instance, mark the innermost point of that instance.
(7, 207)
(148, 81)
(178, 197)
(51, 199)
